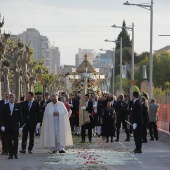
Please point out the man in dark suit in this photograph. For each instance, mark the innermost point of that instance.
(97, 114)
(137, 122)
(145, 115)
(11, 121)
(2, 133)
(90, 125)
(43, 104)
(31, 119)
(121, 113)
(75, 113)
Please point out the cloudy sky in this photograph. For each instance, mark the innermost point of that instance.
(73, 24)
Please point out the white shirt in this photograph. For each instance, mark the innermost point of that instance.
(6, 101)
(11, 105)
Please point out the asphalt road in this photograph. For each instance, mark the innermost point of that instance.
(97, 155)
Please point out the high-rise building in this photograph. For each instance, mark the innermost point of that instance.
(41, 47)
(38, 42)
(54, 60)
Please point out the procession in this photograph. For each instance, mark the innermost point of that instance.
(54, 119)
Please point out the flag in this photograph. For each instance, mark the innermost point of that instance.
(83, 114)
(124, 75)
(144, 75)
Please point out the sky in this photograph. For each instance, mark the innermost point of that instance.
(74, 24)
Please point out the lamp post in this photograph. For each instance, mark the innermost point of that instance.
(118, 41)
(113, 71)
(132, 61)
(148, 7)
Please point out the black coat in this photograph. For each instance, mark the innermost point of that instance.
(97, 116)
(11, 121)
(121, 109)
(33, 116)
(76, 104)
(137, 114)
(108, 126)
(2, 104)
(145, 113)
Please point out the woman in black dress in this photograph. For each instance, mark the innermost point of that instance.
(108, 128)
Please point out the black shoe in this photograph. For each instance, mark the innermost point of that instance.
(22, 151)
(10, 157)
(54, 151)
(144, 141)
(29, 151)
(83, 141)
(127, 140)
(117, 140)
(90, 141)
(152, 139)
(138, 151)
(134, 151)
(16, 156)
(111, 141)
(62, 151)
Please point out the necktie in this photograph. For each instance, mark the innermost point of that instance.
(11, 108)
(29, 105)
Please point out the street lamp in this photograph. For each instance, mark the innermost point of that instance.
(119, 41)
(132, 62)
(113, 86)
(148, 7)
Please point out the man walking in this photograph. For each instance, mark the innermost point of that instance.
(153, 118)
(56, 131)
(11, 121)
(31, 119)
(2, 131)
(121, 112)
(137, 122)
(89, 108)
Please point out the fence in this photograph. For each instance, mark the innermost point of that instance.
(164, 112)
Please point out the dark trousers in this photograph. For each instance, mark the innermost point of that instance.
(12, 138)
(120, 120)
(28, 129)
(4, 144)
(83, 131)
(107, 138)
(138, 138)
(153, 131)
(144, 132)
(72, 123)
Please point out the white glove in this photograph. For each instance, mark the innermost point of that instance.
(38, 125)
(20, 129)
(134, 126)
(3, 128)
(83, 107)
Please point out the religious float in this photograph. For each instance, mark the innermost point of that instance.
(86, 72)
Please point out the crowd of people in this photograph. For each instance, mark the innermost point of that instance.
(56, 118)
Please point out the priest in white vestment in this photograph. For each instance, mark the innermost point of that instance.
(56, 131)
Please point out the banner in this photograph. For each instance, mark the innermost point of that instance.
(83, 114)
(124, 72)
(144, 74)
